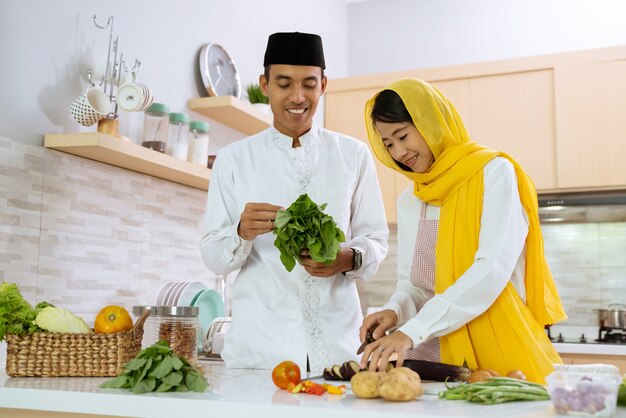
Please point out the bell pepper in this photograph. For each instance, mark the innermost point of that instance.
(334, 390)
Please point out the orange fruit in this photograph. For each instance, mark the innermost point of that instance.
(112, 319)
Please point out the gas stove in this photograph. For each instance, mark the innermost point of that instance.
(611, 336)
(605, 336)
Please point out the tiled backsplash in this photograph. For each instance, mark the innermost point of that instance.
(82, 234)
(588, 262)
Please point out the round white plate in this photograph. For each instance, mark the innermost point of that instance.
(177, 291)
(163, 293)
(188, 293)
(169, 299)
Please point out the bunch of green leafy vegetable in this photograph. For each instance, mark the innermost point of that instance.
(158, 369)
(17, 316)
(304, 225)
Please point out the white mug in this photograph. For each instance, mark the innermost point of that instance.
(133, 96)
(90, 107)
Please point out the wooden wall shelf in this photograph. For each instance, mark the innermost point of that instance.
(114, 151)
(232, 112)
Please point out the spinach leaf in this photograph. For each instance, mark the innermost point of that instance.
(304, 225)
(158, 369)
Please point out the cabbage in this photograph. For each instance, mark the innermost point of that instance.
(61, 320)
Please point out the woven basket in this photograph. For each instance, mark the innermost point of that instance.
(53, 354)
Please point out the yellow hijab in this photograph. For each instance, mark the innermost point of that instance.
(510, 334)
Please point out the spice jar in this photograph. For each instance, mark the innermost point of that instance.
(177, 140)
(179, 326)
(155, 127)
(198, 142)
(150, 327)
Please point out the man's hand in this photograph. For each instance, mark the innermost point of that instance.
(257, 219)
(342, 263)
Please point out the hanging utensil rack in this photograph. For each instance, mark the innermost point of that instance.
(115, 66)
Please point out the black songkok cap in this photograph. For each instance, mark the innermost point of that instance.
(294, 48)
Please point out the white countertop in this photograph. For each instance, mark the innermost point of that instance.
(239, 393)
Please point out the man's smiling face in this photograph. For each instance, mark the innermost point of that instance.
(294, 92)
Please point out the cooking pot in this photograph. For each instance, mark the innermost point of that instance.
(613, 317)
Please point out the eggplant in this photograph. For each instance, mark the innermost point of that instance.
(439, 372)
(349, 369)
(336, 372)
(328, 374)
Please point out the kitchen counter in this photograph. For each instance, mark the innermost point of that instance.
(233, 393)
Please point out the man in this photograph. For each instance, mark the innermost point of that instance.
(310, 315)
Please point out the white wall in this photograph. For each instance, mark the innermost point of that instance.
(397, 35)
(47, 46)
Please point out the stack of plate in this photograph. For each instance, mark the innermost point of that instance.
(209, 302)
(179, 293)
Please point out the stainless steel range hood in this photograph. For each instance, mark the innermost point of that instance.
(583, 207)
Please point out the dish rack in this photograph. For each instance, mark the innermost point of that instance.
(214, 340)
(63, 354)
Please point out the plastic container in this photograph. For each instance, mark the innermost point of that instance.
(177, 140)
(584, 394)
(198, 142)
(150, 327)
(156, 127)
(179, 326)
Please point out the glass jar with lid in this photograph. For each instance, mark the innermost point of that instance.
(150, 327)
(179, 326)
(198, 142)
(177, 140)
(155, 127)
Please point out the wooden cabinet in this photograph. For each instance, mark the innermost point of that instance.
(618, 361)
(560, 116)
(514, 113)
(590, 124)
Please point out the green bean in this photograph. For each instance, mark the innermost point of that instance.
(496, 390)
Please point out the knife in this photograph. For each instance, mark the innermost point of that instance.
(368, 340)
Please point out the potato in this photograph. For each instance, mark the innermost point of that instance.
(400, 384)
(406, 371)
(365, 384)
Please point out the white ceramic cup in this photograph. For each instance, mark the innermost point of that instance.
(133, 96)
(90, 107)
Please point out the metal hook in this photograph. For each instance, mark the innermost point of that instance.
(109, 21)
(89, 73)
(135, 67)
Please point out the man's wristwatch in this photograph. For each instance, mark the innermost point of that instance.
(357, 259)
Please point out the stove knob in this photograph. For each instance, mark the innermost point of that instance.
(583, 339)
(560, 339)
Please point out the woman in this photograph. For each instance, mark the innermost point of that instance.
(473, 283)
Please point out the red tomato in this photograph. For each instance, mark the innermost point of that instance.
(285, 373)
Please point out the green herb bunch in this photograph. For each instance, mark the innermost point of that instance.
(255, 95)
(304, 225)
(158, 369)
